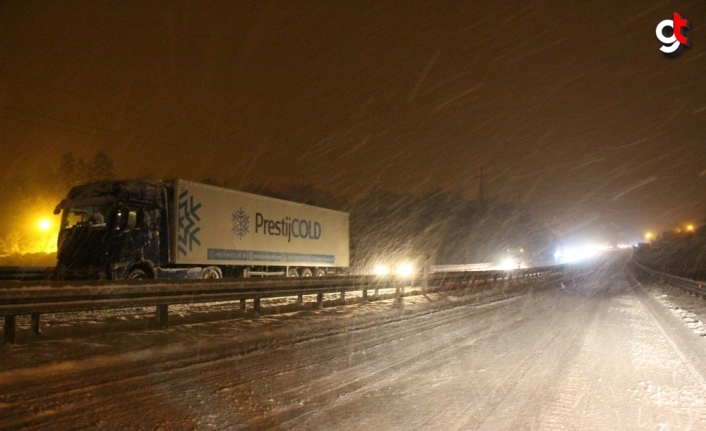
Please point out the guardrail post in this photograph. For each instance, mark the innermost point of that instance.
(425, 279)
(343, 296)
(35, 323)
(9, 328)
(242, 305)
(397, 287)
(300, 300)
(365, 295)
(256, 305)
(163, 315)
(319, 300)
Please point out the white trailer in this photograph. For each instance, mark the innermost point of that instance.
(220, 227)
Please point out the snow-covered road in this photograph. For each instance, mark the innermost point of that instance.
(598, 352)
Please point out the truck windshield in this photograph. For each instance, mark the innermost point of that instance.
(86, 216)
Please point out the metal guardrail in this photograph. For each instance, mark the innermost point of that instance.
(36, 298)
(461, 268)
(25, 273)
(689, 285)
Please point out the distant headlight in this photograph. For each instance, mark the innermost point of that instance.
(381, 270)
(509, 263)
(405, 270)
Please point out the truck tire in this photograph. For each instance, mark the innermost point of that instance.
(137, 274)
(306, 272)
(292, 272)
(320, 272)
(210, 272)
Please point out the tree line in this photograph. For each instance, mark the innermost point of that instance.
(435, 228)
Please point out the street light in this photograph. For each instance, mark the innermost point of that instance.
(44, 224)
(649, 236)
(690, 228)
(47, 236)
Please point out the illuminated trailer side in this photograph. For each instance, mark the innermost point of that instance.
(257, 235)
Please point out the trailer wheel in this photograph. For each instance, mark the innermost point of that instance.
(320, 272)
(211, 272)
(306, 272)
(292, 272)
(137, 274)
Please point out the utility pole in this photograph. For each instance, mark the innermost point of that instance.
(480, 185)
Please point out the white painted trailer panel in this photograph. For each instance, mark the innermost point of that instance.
(217, 226)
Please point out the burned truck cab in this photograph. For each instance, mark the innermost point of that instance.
(113, 230)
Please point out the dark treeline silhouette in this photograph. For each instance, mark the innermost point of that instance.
(446, 228)
(679, 253)
(436, 228)
(73, 171)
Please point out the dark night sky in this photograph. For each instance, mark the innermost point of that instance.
(570, 106)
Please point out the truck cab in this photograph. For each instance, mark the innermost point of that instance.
(113, 230)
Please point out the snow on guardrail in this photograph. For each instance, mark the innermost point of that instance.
(36, 298)
(693, 286)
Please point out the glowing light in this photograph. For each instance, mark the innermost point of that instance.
(44, 224)
(649, 236)
(690, 228)
(42, 241)
(577, 253)
(405, 270)
(381, 270)
(509, 263)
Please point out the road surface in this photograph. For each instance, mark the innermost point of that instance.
(596, 352)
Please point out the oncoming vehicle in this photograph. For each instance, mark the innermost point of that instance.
(513, 258)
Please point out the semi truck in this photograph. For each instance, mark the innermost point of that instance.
(138, 229)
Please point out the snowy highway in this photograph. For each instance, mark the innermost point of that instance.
(594, 352)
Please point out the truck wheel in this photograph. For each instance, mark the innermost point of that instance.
(210, 272)
(137, 274)
(320, 272)
(292, 272)
(306, 272)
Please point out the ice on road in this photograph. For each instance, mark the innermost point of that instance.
(592, 352)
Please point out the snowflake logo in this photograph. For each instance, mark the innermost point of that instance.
(241, 223)
(188, 221)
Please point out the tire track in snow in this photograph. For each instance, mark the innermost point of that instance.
(350, 385)
(170, 371)
(565, 339)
